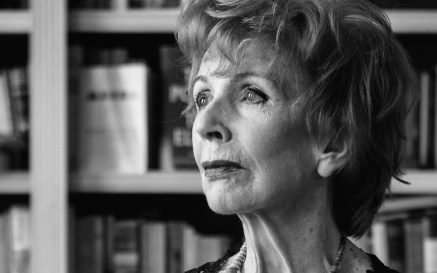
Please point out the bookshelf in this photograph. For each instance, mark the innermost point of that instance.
(48, 182)
(158, 21)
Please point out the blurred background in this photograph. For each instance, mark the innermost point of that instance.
(97, 173)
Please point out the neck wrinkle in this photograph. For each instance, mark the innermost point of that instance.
(276, 243)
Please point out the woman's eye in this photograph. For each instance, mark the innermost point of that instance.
(202, 99)
(254, 96)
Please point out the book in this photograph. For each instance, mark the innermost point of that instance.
(6, 119)
(17, 79)
(90, 251)
(395, 234)
(75, 65)
(19, 239)
(176, 143)
(174, 246)
(434, 108)
(190, 247)
(4, 243)
(425, 103)
(413, 234)
(126, 255)
(380, 241)
(430, 243)
(113, 135)
(153, 244)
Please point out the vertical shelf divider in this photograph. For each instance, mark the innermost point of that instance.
(48, 161)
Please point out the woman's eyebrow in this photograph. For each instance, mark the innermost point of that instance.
(237, 77)
(200, 78)
(241, 76)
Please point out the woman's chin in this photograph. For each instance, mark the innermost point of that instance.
(226, 204)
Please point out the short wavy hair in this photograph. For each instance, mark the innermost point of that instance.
(342, 55)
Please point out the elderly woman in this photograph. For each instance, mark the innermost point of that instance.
(298, 112)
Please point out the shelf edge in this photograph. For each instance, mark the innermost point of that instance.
(15, 22)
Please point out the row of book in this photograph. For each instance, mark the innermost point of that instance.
(406, 237)
(118, 5)
(105, 244)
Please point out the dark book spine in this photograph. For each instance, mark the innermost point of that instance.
(177, 129)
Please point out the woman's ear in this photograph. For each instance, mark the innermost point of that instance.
(331, 160)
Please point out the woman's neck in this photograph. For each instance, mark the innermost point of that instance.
(301, 237)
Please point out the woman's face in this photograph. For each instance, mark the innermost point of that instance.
(249, 138)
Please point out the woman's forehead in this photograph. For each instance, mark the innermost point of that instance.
(217, 63)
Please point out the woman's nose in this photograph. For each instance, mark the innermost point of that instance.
(211, 123)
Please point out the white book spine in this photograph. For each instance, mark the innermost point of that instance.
(114, 134)
(380, 241)
(6, 124)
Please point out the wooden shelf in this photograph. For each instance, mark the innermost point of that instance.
(187, 182)
(422, 182)
(16, 22)
(15, 183)
(413, 21)
(403, 204)
(163, 21)
(181, 182)
(134, 21)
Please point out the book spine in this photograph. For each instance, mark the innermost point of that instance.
(174, 247)
(153, 247)
(18, 89)
(430, 244)
(380, 241)
(4, 243)
(395, 233)
(424, 126)
(19, 228)
(114, 132)
(435, 118)
(90, 250)
(126, 256)
(413, 229)
(176, 146)
(6, 119)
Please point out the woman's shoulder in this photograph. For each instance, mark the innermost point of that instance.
(378, 266)
(212, 267)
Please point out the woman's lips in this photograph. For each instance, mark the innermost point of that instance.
(220, 167)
